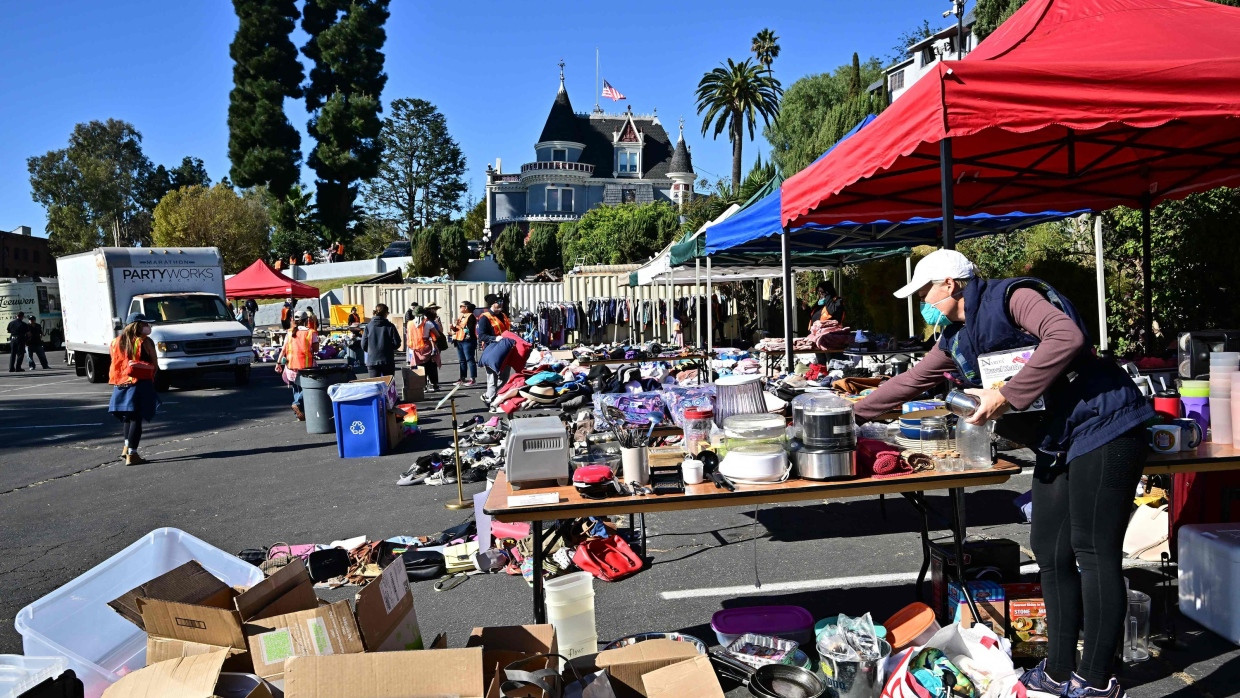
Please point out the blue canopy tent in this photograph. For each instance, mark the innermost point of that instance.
(757, 230)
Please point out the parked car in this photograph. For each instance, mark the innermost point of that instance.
(400, 248)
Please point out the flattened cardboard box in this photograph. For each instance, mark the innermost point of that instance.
(160, 649)
(694, 677)
(423, 674)
(197, 676)
(385, 613)
(189, 583)
(627, 665)
(326, 630)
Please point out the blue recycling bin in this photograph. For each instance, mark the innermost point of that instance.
(361, 422)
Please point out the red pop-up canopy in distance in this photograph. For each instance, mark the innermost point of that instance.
(259, 280)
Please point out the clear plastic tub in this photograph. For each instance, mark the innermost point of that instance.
(19, 674)
(75, 621)
(570, 608)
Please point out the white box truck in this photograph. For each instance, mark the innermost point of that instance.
(180, 288)
(38, 298)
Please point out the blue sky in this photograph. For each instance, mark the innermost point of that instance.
(490, 67)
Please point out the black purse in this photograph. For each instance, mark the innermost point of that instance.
(328, 564)
(421, 565)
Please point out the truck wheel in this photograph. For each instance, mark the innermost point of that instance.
(162, 381)
(96, 368)
(242, 375)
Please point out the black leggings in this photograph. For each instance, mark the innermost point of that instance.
(133, 432)
(1079, 517)
(432, 372)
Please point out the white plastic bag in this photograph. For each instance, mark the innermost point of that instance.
(344, 392)
(982, 655)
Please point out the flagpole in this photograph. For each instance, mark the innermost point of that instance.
(596, 107)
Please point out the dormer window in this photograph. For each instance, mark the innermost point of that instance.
(559, 154)
(628, 162)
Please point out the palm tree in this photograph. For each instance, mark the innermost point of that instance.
(765, 48)
(734, 96)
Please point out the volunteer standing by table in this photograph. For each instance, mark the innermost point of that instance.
(1090, 444)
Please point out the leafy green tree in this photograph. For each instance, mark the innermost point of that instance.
(817, 110)
(765, 48)
(263, 146)
(733, 97)
(198, 216)
(426, 259)
(421, 175)
(95, 189)
(376, 234)
(342, 96)
(453, 249)
(543, 247)
(619, 234)
(296, 226)
(510, 251)
(191, 172)
(475, 219)
(899, 51)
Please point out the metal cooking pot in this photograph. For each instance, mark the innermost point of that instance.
(781, 681)
(822, 464)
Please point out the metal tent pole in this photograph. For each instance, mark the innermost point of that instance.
(908, 279)
(671, 294)
(697, 300)
(1102, 286)
(710, 323)
(1147, 275)
(785, 246)
(949, 205)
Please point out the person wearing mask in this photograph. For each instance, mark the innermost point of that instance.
(425, 336)
(354, 317)
(1090, 443)
(827, 306)
(17, 342)
(298, 353)
(286, 314)
(493, 323)
(380, 340)
(132, 375)
(465, 334)
(34, 343)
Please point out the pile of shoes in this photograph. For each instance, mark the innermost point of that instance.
(482, 450)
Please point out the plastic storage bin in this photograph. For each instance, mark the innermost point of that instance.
(570, 608)
(75, 621)
(788, 622)
(19, 674)
(361, 423)
(1209, 576)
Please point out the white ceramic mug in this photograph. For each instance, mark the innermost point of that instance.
(1164, 438)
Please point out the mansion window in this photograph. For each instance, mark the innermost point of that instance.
(559, 154)
(627, 162)
(559, 200)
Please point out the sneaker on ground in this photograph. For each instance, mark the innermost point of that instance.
(471, 381)
(1080, 688)
(441, 478)
(1039, 685)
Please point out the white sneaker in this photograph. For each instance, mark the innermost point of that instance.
(441, 478)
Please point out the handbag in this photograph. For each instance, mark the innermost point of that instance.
(460, 557)
(1148, 534)
(609, 559)
(138, 369)
(327, 564)
(441, 342)
(422, 565)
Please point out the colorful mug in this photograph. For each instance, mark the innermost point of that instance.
(1164, 438)
(1191, 433)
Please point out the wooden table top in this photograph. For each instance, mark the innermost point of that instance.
(706, 495)
(1208, 457)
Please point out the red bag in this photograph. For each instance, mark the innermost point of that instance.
(609, 559)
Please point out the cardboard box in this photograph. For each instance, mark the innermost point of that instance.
(410, 384)
(627, 665)
(385, 614)
(503, 645)
(326, 630)
(991, 603)
(189, 583)
(395, 429)
(424, 674)
(694, 677)
(197, 676)
(1026, 615)
(995, 560)
(162, 650)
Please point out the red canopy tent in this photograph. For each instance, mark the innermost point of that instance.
(1070, 104)
(259, 280)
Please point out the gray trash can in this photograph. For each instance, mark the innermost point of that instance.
(318, 407)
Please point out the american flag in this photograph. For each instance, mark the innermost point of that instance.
(613, 93)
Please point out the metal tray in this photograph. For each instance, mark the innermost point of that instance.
(760, 650)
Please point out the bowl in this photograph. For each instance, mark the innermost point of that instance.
(642, 637)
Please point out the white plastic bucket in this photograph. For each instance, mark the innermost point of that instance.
(570, 608)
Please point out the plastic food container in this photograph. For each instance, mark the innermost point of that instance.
(789, 622)
(19, 674)
(912, 625)
(748, 427)
(698, 424)
(113, 647)
(825, 421)
(759, 650)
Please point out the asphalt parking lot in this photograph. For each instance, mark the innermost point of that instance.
(233, 467)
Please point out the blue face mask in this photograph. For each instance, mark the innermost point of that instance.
(932, 315)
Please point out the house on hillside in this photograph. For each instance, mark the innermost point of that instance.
(925, 54)
(584, 160)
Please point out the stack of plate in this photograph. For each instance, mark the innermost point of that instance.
(1223, 365)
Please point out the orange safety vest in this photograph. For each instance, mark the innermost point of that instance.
(312, 323)
(498, 325)
(285, 313)
(118, 371)
(307, 259)
(340, 249)
(299, 351)
(279, 264)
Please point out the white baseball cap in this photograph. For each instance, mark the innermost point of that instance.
(939, 265)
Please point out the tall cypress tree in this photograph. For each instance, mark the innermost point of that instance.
(263, 146)
(342, 96)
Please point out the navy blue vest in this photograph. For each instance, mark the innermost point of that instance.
(1091, 404)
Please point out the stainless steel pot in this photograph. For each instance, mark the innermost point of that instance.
(822, 464)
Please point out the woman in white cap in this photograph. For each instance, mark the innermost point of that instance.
(1089, 440)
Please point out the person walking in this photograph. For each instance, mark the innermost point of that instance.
(1090, 443)
(132, 373)
(465, 335)
(493, 323)
(17, 329)
(298, 353)
(34, 343)
(424, 339)
(380, 340)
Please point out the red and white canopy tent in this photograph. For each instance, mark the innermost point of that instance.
(259, 280)
(1070, 104)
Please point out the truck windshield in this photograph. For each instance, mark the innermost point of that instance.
(168, 309)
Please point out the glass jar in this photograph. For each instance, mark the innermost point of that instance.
(974, 443)
(742, 429)
(933, 434)
(698, 423)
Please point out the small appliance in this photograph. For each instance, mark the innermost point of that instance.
(537, 452)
